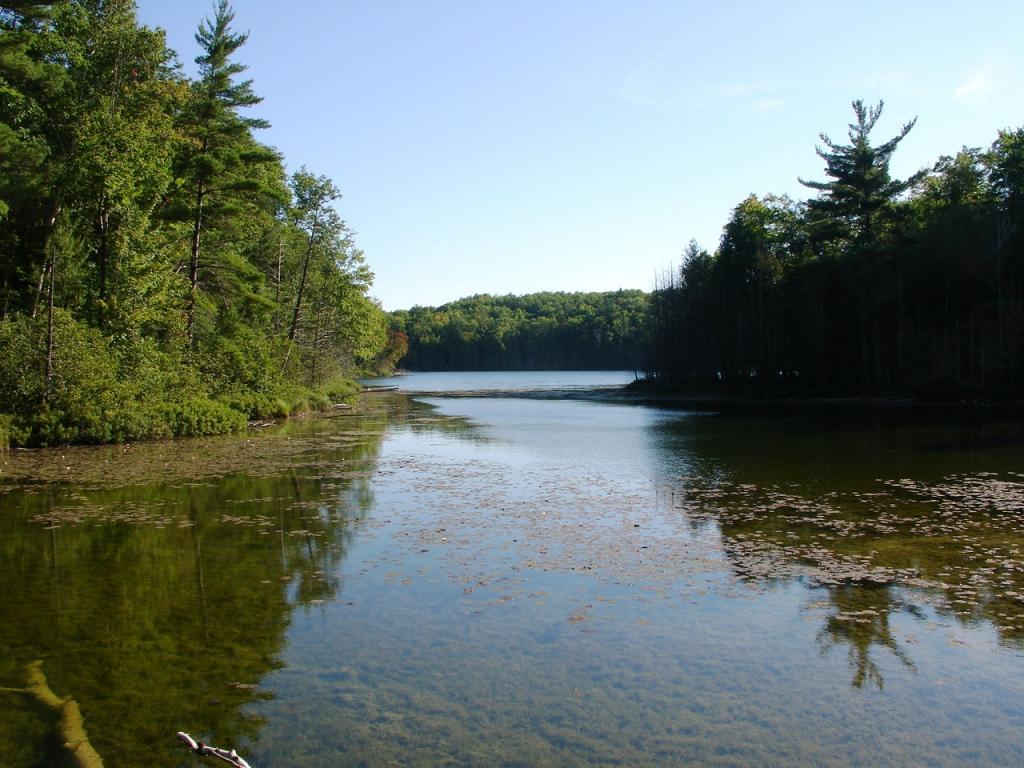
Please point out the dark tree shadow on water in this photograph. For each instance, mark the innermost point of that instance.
(861, 620)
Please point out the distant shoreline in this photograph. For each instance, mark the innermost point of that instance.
(648, 392)
(643, 390)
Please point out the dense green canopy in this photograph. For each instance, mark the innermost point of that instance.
(875, 287)
(540, 331)
(154, 254)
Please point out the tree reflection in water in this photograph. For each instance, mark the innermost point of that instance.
(867, 504)
(162, 605)
(861, 620)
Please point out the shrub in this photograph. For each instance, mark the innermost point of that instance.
(319, 401)
(241, 361)
(83, 365)
(341, 389)
(102, 393)
(255, 405)
(197, 416)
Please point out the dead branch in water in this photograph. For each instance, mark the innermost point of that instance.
(71, 724)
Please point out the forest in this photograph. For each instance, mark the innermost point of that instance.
(539, 331)
(161, 272)
(875, 286)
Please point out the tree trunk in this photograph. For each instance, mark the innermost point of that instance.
(314, 350)
(901, 367)
(302, 279)
(71, 725)
(39, 287)
(277, 288)
(103, 253)
(48, 384)
(193, 264)
(880, 374)
(48, 379)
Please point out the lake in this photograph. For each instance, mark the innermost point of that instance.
(512, 382)
(527, 581)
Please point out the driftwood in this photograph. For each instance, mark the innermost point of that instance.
(71, 724)
(205, 750)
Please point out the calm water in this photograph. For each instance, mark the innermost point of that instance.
(504, 381)
(482, 581)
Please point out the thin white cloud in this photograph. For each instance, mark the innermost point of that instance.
(636, 86)
(764, 105)
(976, 88)
(663, 83)
(736, 89)
(885, 81)
(659, 83)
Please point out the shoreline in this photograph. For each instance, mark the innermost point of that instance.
(721, 401)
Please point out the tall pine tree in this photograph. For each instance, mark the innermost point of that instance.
(217, 163)
(861, 190)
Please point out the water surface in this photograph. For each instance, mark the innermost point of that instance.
(496, 581)
(490, 382)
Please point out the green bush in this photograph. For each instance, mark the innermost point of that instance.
(240, 361)
(295, 400)
(255, 405)
(85, 392)
(93, 425)
(201, 416)
(100, 393)
(83, 365)
(342, 389)
(319, 401)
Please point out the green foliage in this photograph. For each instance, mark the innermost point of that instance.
(82, 370)
(97, 394)
(200, 416)
(218, 183)
(387, 360)
(167, 239)
(875, 287)
(540, 331)
(861, 192)
(288, 400)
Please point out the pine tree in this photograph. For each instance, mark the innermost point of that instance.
(217, 167)
(861, 190)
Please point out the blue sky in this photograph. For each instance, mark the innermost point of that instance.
(511, 146)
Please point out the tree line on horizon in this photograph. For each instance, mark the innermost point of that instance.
(538, 331)
(160, 270)
(875, 286)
